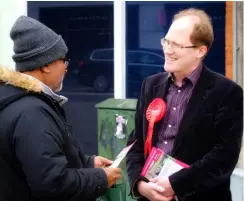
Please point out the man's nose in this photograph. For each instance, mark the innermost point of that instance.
(168, 49)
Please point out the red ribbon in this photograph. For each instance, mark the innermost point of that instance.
(155, 112)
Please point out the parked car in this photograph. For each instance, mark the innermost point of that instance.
(97, 68)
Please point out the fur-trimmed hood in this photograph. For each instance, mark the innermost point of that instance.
(17, 79)
(14, 84)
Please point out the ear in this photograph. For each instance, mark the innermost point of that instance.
(202, 51)
(45, 69)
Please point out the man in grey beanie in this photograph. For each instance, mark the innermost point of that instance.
(40, 159)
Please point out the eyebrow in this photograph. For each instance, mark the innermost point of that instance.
(174, 42)
(171, 41)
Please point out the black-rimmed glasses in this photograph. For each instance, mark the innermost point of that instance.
(165, 43)
(66, 61)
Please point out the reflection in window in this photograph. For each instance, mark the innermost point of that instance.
(144, 57)
(86, 26)
(103, 54)
(87, 30)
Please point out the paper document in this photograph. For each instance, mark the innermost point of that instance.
(121, 156)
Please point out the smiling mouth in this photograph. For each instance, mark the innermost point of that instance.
(171, 59)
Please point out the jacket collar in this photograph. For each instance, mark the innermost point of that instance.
(28, 83)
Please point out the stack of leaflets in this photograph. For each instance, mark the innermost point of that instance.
(159, 164)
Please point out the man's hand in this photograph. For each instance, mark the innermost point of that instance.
(100, 162)
(152, 191)
(113, 174)
(165, 184)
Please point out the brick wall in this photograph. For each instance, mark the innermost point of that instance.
(229, 57)
(229, 40)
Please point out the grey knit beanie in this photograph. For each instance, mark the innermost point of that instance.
(35, 45)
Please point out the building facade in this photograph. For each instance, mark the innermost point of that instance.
(118, 29)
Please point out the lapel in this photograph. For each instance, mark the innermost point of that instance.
(159, 91)
(196, 102)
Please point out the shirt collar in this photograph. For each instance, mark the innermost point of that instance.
(47, 90)
(193, 77)
(59, 98)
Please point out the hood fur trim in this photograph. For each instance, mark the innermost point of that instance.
(18, 79)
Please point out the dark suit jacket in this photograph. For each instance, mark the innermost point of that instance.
(209, 136)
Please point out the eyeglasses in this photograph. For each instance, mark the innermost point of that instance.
(165, 43)
(66, 61)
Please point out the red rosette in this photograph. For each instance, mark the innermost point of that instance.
(155, 112)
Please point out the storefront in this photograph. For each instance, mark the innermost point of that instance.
(125, 39)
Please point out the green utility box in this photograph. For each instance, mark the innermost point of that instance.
(115, 123)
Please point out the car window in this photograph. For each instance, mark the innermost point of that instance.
(133, 57)
(102, 55)
(145, 58)
(151, 58)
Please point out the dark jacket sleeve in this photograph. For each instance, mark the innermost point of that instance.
(90, 161)
(218, 165)
(39, 148)
(135, 158)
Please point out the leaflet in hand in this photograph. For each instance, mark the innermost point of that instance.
(121, 156)
(159, 164)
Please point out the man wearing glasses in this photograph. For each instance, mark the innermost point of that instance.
(203, 124)
(40, 159)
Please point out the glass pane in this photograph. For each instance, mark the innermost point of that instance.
(87, 28)
(103, 54)
(147, 22)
